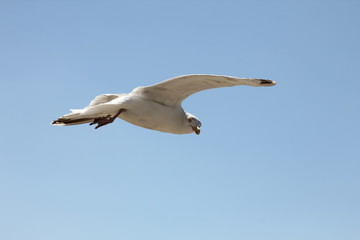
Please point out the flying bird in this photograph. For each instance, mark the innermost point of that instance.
(157, 107)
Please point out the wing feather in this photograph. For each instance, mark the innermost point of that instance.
(173, 91)
(104, 98)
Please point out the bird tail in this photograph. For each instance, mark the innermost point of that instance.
(73, 118)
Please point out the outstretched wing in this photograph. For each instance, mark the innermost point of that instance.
(173, 91)
(104, 98)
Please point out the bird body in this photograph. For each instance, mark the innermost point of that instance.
(157, 107)
(155, 116)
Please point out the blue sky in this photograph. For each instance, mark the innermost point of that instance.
(270, 163)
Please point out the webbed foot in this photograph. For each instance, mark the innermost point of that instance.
(102, 121)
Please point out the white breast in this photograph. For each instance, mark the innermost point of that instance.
(151, 115)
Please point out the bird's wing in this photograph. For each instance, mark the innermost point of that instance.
(104, 98)
(173, 91)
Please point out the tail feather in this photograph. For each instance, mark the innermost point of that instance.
(73, 118)
(67, 122)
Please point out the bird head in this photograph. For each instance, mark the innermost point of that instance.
(194, 123)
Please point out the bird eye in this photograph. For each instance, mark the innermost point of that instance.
(189, 120)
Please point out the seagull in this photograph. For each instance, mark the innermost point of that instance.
(157, 107)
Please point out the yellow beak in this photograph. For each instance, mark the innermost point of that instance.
(196, 130)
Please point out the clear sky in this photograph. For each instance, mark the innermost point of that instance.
(273, 163)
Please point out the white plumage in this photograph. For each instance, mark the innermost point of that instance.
(156, 107)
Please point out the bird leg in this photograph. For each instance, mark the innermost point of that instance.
(102, 121)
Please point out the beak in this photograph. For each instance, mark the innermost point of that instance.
(196, 130)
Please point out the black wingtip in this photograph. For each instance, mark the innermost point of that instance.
(266, 82)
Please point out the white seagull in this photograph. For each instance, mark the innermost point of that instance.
(156, 107)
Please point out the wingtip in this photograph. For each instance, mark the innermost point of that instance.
(55, 123)
(267, 83)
